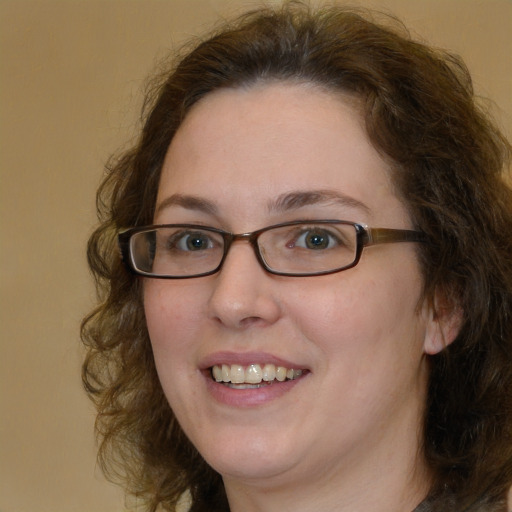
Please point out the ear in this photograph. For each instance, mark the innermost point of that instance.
(444, 321)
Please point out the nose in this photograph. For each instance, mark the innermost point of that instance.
(244, 294)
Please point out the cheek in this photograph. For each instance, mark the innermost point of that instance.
(172, 319)
(362, 318)
(171, 316)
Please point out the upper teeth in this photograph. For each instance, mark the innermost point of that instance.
(253, 374)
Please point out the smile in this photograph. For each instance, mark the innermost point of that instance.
(252, 376)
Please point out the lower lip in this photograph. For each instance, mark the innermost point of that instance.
(249, 397)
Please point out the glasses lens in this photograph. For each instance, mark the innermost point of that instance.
(177, 251)
(309, 248)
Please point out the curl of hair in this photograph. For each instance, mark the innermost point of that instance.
(448, 163)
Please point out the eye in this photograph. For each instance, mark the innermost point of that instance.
(316, 239)
(190, 241)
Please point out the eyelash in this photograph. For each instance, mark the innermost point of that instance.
(332, 237)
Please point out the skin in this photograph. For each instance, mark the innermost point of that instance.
(346, 436)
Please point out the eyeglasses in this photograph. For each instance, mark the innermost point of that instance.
(299, 248)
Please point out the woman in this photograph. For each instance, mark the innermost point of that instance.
(313, 311)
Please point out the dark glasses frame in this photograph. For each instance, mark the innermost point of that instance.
(365, 237)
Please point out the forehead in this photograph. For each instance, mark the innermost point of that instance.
(266, 115)
(245, 146)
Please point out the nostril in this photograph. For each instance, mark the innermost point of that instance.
(241, 306)
(249, 321)
(241, 321)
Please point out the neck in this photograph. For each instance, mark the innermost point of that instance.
(391, 475)
(319, 495)
(397, 492)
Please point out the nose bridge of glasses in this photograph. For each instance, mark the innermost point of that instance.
(250, 238)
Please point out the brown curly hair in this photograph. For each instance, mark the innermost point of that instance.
(449, 162)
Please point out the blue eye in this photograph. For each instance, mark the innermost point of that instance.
(316, 239)
(186, 241)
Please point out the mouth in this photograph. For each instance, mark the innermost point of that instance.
(253, 376)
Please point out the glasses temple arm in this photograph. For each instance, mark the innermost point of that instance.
(385, 236)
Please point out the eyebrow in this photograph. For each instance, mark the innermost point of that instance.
(188, 202)
(285, 202)
(299, 199)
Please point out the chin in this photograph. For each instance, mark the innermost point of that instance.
(253, 458)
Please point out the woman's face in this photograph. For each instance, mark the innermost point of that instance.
(248, 158)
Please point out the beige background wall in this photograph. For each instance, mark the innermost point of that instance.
(71, 73)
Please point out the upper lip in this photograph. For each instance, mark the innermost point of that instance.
(247, 358)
